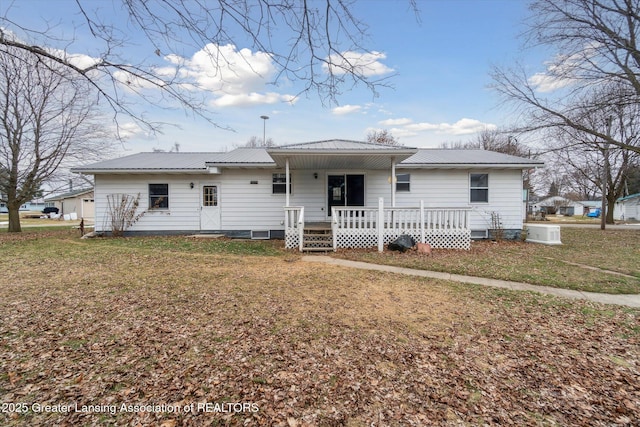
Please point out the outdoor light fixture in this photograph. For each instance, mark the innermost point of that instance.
(191, 185)
(315, 175)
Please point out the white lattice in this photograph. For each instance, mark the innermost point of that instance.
(360, 238)
(291, 239)
(452, 239)
(438, 239)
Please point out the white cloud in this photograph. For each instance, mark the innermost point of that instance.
(361, 64)
(253, 98)
(560, 71)
(234, 77)
(132, 130)
(346, 109)
(461, 127)
(82, 61)
(396, 122)
(544, 82)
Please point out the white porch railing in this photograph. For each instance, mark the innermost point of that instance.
(293, 226)
(365, 227)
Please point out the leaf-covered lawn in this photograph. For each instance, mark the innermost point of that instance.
(266, 339)
(612, 250)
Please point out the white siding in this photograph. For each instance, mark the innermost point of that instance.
(246, 206)
(450, 188)
(184, 204)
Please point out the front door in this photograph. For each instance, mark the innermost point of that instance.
(345, 190)
(209, 207)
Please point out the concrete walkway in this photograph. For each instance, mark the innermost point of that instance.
(627, 300)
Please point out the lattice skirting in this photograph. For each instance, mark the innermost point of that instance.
(356, 238)
(291, 239)
(438, 239)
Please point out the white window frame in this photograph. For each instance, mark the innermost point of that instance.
(472, 188)
(283, 184)
(151, 203)
(407, 182)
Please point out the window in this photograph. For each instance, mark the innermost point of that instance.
(280, 183)
(403, 182)
(210, 195)
(479, 188)
(158, 196)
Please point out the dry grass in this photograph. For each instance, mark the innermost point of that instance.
(613, 250)
(182, 321)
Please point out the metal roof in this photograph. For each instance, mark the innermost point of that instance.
(332, 154)
(68, 194)
(339, 145)
(152, 162)
(243, 157)
(629, 197)
(339, 154)
(439, 158)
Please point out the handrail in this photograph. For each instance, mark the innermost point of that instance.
(301, 229)
(401, 218)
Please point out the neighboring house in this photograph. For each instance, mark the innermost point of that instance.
(628, 208)
(591, 205)
(440, 196)
(561, 206)
(34, 205)
(80, 202)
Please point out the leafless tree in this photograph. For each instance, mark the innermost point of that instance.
(597, 52)
(383, 137)
(325, 50)
(497, 140)
(585, 158)
(46, 122)
(255, 142)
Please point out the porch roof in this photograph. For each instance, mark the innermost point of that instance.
(339, 154)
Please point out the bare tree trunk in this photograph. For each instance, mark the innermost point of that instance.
(14, 218)
(611, 203)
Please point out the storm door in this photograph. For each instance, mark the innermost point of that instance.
(345, 190)
(210, 207)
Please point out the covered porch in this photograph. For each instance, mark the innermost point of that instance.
(369, 227)
(343, 200)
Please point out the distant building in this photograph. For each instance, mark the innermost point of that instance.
(628, 208)
(79, 202)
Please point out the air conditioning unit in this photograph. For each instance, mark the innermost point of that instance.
(542, 233)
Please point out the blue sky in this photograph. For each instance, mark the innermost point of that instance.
(438, 67)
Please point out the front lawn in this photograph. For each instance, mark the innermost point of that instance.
(175, 331)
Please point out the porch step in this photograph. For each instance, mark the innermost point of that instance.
(317, 239)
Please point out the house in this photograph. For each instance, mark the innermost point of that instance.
(349, 193)
(36, 205)
(561, 206)
(80, 202)
(628, 208)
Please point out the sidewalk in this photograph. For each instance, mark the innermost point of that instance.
(627, 300)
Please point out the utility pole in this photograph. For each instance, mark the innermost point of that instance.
(264, 130)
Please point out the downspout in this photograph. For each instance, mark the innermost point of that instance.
(393, 182)
(286, 172)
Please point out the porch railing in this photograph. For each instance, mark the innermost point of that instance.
(365, 227)
(293, 226)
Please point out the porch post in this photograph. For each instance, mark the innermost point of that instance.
(286, 173)
(393, 182)
(380, 224)
(422, 221)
